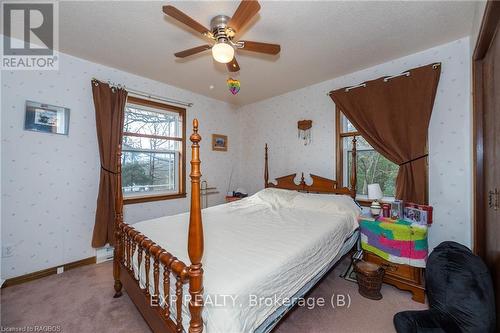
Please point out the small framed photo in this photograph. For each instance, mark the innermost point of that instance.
(397, 209)
(219, 142)
(421, 214)
(46, 118)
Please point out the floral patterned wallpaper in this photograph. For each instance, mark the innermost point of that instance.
(50, 182)
(275, 121)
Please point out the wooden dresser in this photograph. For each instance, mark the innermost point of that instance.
(231, 198)
(404, 277)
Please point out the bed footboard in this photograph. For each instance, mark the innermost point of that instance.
(140, 251)
(134, 253)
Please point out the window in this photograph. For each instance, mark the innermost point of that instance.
(153, 151)
(371, 167)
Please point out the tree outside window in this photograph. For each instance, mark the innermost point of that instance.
(153, 161)
(371, 166)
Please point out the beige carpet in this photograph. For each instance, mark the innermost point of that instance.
(81, 300)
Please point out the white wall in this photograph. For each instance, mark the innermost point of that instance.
(275, 121)
(50, 182)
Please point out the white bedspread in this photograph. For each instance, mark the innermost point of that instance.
(263, 247)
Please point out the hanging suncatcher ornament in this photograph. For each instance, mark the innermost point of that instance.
(233, 85)
(304, 133)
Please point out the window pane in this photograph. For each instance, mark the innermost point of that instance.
(346, 125)
(140, 143)
(145, 173)
(371, 168)
(144, 120)
(361, 143)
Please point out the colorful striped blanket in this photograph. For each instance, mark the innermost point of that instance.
(400, 242)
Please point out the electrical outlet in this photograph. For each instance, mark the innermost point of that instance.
(60, 270)
(7, 251)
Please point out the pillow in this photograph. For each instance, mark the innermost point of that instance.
(277, 198)
(327, 203)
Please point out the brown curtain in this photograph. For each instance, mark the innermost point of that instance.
(393, 116)
(109, 105)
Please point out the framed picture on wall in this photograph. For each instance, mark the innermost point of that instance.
(219, 142)
(46, 118)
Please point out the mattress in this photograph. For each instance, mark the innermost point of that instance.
(273, 319)
(259, 252)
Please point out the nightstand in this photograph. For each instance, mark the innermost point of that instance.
(401, 248)
(231, 198)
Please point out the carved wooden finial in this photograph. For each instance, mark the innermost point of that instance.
(195, 137)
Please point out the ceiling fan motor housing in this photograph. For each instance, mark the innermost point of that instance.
(221, 32)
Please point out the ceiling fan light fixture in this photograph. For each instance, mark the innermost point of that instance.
(222, 32)
(223, 52)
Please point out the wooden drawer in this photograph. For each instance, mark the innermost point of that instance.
(405, 272)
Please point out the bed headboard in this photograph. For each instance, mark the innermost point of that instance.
(319, 184)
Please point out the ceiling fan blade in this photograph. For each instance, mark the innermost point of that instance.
(233, 66)
(183, 18)
(243, 14)
(260, 47)
(194, 50)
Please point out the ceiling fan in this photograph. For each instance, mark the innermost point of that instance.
(222, 31)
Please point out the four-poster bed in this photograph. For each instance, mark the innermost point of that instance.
(157, 281)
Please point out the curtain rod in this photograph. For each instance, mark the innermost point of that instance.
(353, 87)
(147, 95)
(392, 77)
(407, 73)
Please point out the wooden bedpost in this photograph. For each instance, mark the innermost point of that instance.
(118, 221)
(195, 240)
(353, 168)
(266, 169)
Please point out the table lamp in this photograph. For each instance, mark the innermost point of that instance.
(375, 194)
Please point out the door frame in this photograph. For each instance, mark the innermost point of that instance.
(486, 34)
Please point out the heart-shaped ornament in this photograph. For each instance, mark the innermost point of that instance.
(233, 85)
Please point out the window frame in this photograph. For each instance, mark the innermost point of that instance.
(340, 135)
(181, 193)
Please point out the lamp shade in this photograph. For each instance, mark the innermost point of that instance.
(223, 52)
(375, 192)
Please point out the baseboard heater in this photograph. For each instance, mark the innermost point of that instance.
(104, 254)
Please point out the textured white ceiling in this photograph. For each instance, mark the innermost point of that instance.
(319, 40)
